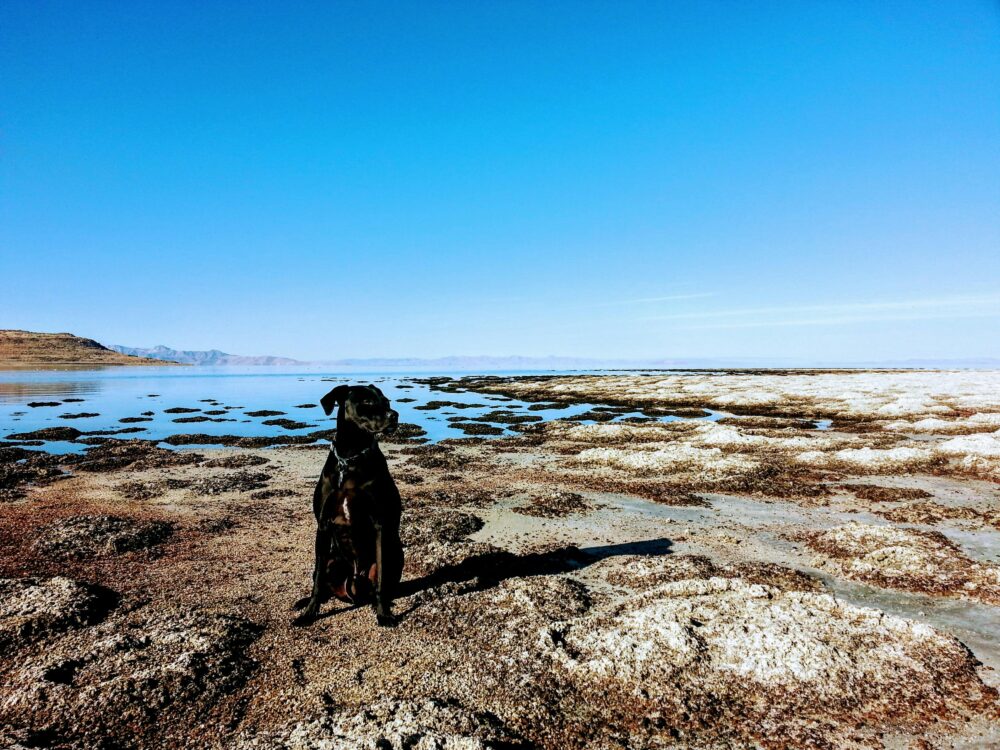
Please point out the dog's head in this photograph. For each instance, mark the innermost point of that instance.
(364, 405)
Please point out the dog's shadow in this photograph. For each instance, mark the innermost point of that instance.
(492, 568)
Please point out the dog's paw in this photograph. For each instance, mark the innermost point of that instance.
(301, 603)
(309, 616)
(386, 621)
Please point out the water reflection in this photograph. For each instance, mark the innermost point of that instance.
(22, 391)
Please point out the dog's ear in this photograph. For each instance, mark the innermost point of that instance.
(334, 398)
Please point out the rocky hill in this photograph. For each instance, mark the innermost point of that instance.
(30, 349)
(210, 358)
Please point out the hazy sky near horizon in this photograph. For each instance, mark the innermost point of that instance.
(814, 180)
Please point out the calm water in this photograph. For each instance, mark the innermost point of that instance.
(122, 393)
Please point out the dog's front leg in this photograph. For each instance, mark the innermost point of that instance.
(323, 541)
(383, 596)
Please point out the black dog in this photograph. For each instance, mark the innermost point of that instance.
(359, 555)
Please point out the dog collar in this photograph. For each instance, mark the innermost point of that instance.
(344, 463)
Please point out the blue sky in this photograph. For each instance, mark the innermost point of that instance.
(814, 180)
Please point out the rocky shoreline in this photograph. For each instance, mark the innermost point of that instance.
(607, 585)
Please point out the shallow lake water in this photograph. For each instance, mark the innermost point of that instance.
(147, 393)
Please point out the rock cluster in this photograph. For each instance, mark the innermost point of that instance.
(238, 481)
(113, 455)
(392, 724)
(20, 468)
(801, 667)
(120, 677)
(38, 607)
(907, 559)
(438, 539)
(237, 461)
(92, 535)
(555, 505)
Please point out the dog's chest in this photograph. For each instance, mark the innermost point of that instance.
(350, 503)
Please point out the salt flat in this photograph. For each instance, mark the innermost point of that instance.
(814, 566)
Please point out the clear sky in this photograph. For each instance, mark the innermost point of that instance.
(818, 180)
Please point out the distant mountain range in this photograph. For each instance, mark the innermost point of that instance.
(516, 363)
(26, 349)
(473, 363)
(210, 358)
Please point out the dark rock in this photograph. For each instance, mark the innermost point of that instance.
(426, 526)
(115, 683)
(431, 405)
(435, 457)
(33, 607)
(305, 406)
(452, 498)
(90, 536)
(504, 416)
(131, 420)
(139, 454)
(682, 413)
(288, 424)
(20, 468)
(406, 431)
(878, 494)
(264, 413)
(435, 382)
(408, 477)
(10, 453)
(240, 481)
(122, 431)
(390, 724)
(138, 490)
(199, 418)
(243, 441)
(216, 525)
(477, 428)
(271, 494)
(49, 433)
(594, 415)
(81, 415)
(36, 404)
(555, 505)
(237, 461)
